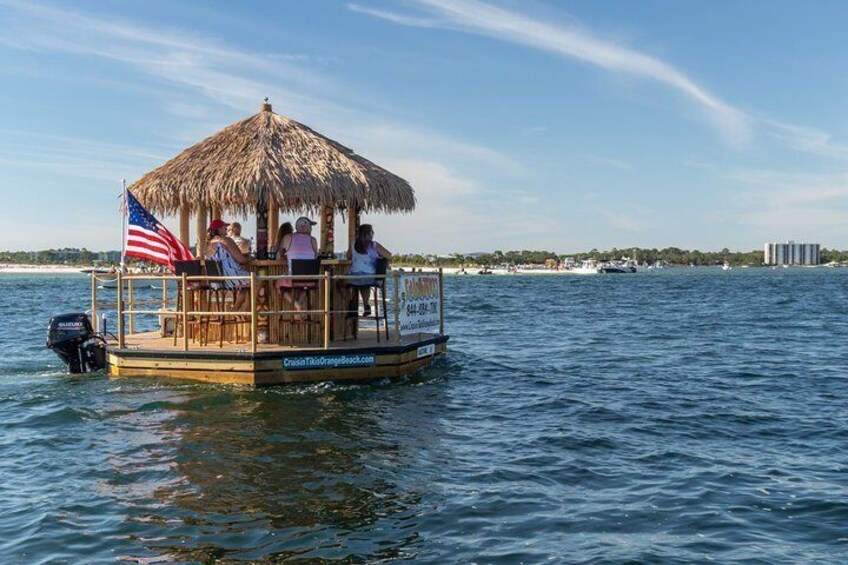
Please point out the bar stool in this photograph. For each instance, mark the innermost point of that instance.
(220, 299)
(378, 287)
(301, 267)
(195, 293)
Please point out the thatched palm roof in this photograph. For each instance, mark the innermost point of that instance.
(269, 156)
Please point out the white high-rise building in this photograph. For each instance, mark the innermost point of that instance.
(791, 253)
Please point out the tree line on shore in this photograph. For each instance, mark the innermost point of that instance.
(63, 256)
(668, 255)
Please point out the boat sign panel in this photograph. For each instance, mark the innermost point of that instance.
(420, 304)
(426, 350)
(329, 361)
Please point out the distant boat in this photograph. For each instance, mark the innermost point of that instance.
(484, 271)
(617, 267)
(106, 278)
(614, 269)
(726, 266)
(588, 267)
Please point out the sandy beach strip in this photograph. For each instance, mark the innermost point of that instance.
(22, 269)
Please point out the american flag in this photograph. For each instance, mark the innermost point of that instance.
(148, 239)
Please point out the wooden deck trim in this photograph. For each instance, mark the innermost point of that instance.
(298, 351)
(247, 369)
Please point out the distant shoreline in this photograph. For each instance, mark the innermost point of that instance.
(23, 269)
(31, 269)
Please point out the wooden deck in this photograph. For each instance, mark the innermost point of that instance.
(149, 354)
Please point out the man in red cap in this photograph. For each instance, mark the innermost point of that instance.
(218, 224)
(221, 248)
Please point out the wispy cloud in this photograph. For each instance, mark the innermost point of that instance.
(786, 205)
(229, 76)
(394, 17)
(221, 74)
(180, 63)
(806, 224)
(770, 188)
(703, 165)
(634, 219)
(806, 139)
(75, 31)
(73, 156)
(571, 41)
(614, 163)
(390, 138)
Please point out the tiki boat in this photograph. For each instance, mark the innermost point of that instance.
(265, 166)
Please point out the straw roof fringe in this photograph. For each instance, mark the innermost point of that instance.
(274, 157)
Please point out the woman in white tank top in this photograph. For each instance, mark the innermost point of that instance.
(364, 254)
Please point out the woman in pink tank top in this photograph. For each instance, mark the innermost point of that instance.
(298, 245)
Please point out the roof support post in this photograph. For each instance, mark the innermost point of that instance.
(327, 230)
(184, 235)
(200, 228)
(352, 228)
(216, 213)
(273, 221)
(262, 229)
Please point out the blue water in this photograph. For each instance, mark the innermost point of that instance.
(682, 416)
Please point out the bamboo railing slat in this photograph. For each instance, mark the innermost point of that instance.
(326, 309)
(396, 300)
(254, 326)
(95, 322)
(183, 285)
(121, 342)
(441, 302)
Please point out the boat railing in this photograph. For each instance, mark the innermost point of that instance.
(128, 306)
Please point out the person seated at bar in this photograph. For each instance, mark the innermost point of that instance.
(298, 245)
(364, 255)
(285, 229)
(234, 233)
(221, 248)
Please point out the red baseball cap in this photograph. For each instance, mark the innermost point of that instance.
(218, 224)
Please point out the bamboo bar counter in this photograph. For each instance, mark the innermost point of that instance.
(265, 166)
(270, 298)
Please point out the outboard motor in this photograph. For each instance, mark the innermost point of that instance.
(73, 339)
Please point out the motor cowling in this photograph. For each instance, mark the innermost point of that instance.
(72, 338)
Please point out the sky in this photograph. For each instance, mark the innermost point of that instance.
(521, 124)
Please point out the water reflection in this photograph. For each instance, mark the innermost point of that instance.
(295, 474)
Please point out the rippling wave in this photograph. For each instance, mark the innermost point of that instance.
(684, 416)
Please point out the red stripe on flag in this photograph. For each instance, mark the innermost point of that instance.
(157, 258)
(148, 243)
(148, 250)
(159, 246)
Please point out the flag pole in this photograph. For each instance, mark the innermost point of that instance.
(124, 212)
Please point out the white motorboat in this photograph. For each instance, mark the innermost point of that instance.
(588, 267)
